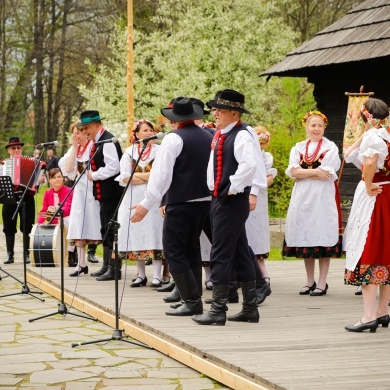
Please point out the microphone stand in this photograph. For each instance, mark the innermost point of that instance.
(114, 226)
(21, 203)
(62, 309)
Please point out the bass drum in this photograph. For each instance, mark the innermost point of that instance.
(45, 246)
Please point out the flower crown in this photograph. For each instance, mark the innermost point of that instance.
(264, 137)
(314, 113)
(374, 122)
(136, 127)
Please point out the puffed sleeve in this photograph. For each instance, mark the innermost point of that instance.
(293, 161)
(269, 161)
(373, 144)
(331, 161)
(125, 169)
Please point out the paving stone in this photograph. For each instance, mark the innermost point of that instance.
(85, 354)
(80, 386)
(183, 372)
(197, 384)
(18, 369)
(9, 381)
(22, 358)
(145, 387)
(70, 363)
(116, 372)
(57, 376)
(111, 361)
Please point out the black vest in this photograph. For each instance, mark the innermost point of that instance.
(105, 189)
(230, 164)
(189, 179)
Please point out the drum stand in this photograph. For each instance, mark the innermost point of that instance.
(114, 226)
(7, 187)
(62, 309)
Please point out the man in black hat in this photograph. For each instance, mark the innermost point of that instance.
(15, 148)
(230, 174)
(178, 182)
(104, 169)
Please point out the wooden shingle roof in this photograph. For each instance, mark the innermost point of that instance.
(364, 33)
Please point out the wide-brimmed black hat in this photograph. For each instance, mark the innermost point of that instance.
(182, 109)
(214, 100)
(89, 116)
(14, 141)
(199, 103)
(231, 100)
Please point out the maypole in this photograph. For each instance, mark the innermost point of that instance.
(129, 73)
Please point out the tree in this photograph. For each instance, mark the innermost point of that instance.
(195, 50)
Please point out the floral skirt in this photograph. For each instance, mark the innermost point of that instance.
(315, 252)
(368, 274)
(153, 254)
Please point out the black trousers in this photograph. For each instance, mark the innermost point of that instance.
(230, 245)
(107, 210)
(9, 225)
(183, 223)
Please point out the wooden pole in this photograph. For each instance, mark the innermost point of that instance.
(129, 73)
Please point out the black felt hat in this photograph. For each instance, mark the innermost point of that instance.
(199, 103)
(228, 99)
(182, 109)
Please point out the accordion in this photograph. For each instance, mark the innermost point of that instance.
(20, 169)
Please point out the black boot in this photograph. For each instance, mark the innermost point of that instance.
(174, 296)
(10, 242)
(189, 291)
(91, 253)
(110, 274)
(217, 312)
(72, 258)
(166, 287)
(106, 260)
(233, 294)
(249, 312)
(262, 290)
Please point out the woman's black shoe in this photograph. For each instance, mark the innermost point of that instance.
(83, 270)
(139, 282)
(372, 325)
(309, 289)
(359, 291)
(320, 291)
(384, 321)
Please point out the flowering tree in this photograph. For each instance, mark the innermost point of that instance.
(196, 49)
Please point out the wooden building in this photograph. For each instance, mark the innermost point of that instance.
(352, 52)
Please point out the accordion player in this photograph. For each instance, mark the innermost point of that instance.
(20, 169)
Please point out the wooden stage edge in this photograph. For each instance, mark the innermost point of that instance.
(221, 371)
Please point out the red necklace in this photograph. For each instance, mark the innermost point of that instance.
(145, 154)
(313, 157)
(80, 151)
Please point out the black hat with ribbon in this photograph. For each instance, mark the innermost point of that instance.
(89, 116)
(228, 99)
(182, 109)
(199, 103)
(14, 141)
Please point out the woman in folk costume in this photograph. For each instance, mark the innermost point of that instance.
(367, 251)
(141, 241)
(314, 216)
(257, 225)
(84, 221)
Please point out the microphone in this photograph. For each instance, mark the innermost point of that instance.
(52, 143)
(159, 135)
(105, 141)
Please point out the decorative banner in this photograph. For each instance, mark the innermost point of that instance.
(354, 125)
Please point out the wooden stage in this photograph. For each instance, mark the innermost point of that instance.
(300, 342)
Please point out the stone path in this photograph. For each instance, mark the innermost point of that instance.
(39, 354)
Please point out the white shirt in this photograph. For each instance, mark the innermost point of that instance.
(246, 156)
(111, 160)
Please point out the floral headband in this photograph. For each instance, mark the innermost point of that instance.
(264, 138)
(375, 122)
(136, 127)
(314, 113)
